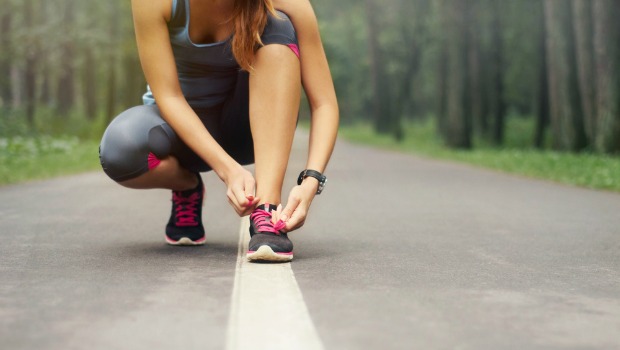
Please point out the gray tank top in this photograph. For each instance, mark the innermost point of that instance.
(207, 72)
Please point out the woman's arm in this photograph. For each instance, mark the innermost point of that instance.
(150, 22)
(319, 88)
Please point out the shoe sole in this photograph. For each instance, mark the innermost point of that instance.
(265, 253)
(186, 241)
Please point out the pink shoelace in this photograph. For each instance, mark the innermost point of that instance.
(262, 220)
(186, 212)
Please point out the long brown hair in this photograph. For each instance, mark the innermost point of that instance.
(250, 18)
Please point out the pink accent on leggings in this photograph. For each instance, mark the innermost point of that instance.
(153, 161)
(295, 49)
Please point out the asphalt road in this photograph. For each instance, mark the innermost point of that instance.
(398, 253)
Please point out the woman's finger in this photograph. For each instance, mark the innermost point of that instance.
(296, 221)
(291, 206)
(240, 196)
(232, 200)
(249, 188)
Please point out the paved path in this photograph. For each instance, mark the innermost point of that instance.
(398, 253)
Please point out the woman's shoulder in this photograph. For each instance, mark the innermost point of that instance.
(294, 8)
(153, 8)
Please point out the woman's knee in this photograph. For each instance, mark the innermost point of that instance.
(134, 142)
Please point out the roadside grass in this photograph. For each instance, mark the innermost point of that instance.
(25, 158)
(46, 150)
(517, 156)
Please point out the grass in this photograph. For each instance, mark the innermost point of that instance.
(25, 158)
(43, 150)
(517, 156)
(29, 158)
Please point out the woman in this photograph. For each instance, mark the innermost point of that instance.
(225, 80)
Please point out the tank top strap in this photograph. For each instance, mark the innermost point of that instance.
(179, 13)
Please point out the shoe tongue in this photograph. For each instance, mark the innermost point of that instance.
(268, 207)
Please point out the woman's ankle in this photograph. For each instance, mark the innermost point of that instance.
(188, 181)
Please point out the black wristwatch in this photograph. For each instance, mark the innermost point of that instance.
(315, 174)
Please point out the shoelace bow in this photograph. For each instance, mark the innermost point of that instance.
(186, 211)
(262, 220)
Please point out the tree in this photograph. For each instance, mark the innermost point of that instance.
(607, 54)
(412, 35)
(134, 84)
(5, 58)
(584, 49)
(380, 90)
(111, 99)
(89, 83)
(458, 118)
(477, 58)
(541, 84)
(565, 102)
(31, 61)
(66, 81)
(497, 103)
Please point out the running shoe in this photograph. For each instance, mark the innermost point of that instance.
(185, 224)
(268, 242)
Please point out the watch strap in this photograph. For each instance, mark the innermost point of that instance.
(315, 174)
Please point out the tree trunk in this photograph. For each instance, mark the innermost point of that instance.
(415, 34)
(66, 81)
(134, 82)
(442, 69)
(112, 62)
(498, 104)
(541, 104)
(458, 129)
(584, 49)
(46, 70)
(30, 77)
(5, 58)
(380, 92)
(45, 96)
(565, 102)
(89, 71)
(111, 93)
(17, 87)
(476, 81)
(607, 54)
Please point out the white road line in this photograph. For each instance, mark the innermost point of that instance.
(267, 309)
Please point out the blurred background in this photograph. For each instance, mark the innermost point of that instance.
(528, 86)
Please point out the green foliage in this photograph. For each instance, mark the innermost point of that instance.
(89, 47)
(12, 123)
(581, 169)
(344, 35)
(28, 158)
(71, 48)
(48, 123)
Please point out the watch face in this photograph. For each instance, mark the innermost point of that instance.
(321, 185)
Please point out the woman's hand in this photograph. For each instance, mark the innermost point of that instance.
(240, 192)
(294, 215)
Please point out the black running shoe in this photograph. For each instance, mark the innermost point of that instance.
(268, 243)
(185, 224)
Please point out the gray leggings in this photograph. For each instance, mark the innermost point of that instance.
(136, 139)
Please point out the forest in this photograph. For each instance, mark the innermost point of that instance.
(467, 65)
